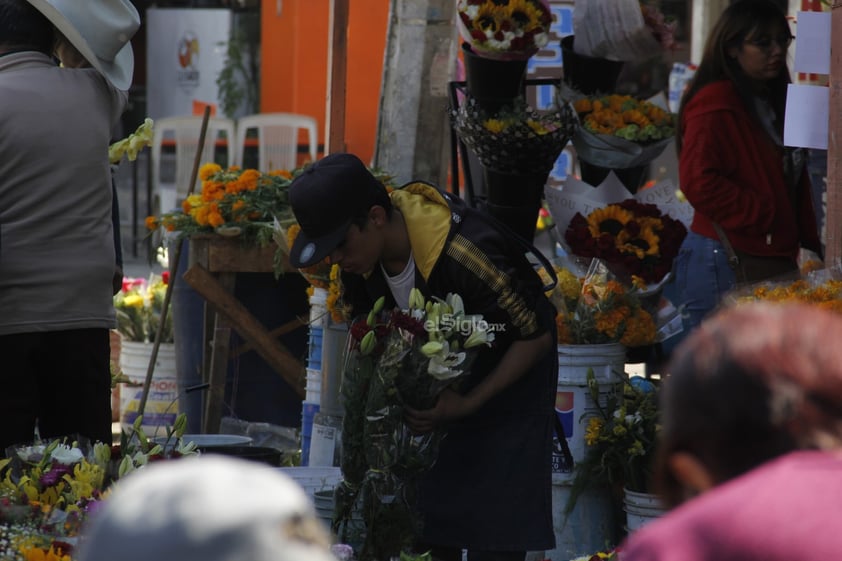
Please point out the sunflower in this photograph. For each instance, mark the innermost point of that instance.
(608, 220)
(641, 241)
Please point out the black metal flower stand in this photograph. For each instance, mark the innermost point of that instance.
(515, 199)
(589, 75)
(494, 83)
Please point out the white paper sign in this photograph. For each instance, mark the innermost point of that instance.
(812, 43)
(807, 115)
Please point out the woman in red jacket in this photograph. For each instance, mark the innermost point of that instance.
(748, 190)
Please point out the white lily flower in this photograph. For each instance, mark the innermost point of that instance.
(443, 366)
(457, 307)
(66, 455)
(479, 337)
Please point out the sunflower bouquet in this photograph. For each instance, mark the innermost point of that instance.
(505, 29)
(637, 241)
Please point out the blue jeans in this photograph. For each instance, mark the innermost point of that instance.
(702, 276)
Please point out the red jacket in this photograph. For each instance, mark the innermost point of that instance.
(732, 173)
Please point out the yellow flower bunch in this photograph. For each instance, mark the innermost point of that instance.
(339, 311)
(233, 201)
(827, 294)
(597, 310)
(132, 144)
(138, 307)
(620, 438)
(626, 117)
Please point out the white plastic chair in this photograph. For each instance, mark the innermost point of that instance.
(277, 139)
(184, 131)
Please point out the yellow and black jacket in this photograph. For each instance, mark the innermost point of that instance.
(491, 486)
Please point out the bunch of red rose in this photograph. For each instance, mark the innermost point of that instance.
(633, 239)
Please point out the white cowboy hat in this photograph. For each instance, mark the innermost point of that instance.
(100, 30)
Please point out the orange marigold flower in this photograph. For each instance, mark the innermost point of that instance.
(208, 170)
(215, 219)
(248, 179)
(151, 222)
(169, 224)
(286, 174)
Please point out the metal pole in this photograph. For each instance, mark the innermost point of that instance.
(173, 269)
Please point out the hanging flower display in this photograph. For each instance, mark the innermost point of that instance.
(518, 139)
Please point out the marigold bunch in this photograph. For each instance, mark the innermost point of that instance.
(817, 289)
(233, 201)
(595, 310)
(625, 117)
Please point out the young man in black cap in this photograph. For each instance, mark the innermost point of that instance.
(490, 490)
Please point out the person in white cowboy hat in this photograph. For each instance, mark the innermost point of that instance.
(206, 508)
(57, 251)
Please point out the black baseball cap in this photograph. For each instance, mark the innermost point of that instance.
(325, 199)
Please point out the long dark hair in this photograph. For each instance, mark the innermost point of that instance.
(751, 383)
(740, 21)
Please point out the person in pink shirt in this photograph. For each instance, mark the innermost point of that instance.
(750, 453)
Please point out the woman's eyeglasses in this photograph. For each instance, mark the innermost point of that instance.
(765, 43)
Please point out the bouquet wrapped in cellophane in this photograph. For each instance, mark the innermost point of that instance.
(395, 359)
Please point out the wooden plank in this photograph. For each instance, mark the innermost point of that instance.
(833, 220)
(218, 372)
(337, 72)
(272, 351)
(218, 362)
(218, 254)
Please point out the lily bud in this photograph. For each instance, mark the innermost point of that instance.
(432, 348)
(368, 342)
(378, 305)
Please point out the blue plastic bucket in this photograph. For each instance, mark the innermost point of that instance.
(308, 412)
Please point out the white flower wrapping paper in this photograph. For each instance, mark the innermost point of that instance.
(577, 196)
(612, 29)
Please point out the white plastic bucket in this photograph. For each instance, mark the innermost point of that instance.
(313, 479)
(318, 308)
(574, 405)
(162, 401)
(333, 361)
(586, 529)
(353, 533)
(641, 508)
(313, 386)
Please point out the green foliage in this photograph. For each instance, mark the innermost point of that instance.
(238, 82)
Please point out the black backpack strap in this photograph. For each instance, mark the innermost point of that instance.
(528, 247)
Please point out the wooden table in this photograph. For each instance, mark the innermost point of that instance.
(214, 264)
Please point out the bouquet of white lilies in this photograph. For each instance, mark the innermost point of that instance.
(397, 359)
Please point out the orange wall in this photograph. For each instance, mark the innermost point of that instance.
(293, 68)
